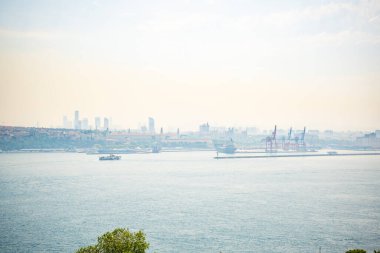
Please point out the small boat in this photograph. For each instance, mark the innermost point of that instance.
(110, 158)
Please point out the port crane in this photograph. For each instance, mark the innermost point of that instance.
(270, 140)
(291, 143)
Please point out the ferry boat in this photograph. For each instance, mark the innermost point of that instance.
(109, 158)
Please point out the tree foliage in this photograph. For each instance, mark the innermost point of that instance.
(118, 241)
(356, 251)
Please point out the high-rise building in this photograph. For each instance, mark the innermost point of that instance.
(84, 124)
(65, 122)
(97, 123)
(76, 120)
(151, 125)
(106, 124)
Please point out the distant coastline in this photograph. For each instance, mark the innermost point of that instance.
(32, 139)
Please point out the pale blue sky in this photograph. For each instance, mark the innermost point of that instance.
(314, 63)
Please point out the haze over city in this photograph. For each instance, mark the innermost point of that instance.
(247, 63)
(190, 126)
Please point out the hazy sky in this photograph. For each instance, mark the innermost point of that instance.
(240, 62)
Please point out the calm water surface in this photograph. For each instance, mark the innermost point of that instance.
(189, 202)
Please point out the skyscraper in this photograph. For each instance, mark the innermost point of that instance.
(97, 123)
(84, 124)
(151, 125)
(76, 120)
(65, 122)
(106, 123)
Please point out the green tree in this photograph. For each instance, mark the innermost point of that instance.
(88, 249)
(356, 251)
(118, 241)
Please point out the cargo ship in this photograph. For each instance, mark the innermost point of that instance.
(227, 148)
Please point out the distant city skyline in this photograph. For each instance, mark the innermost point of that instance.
(98, 123)
(229, 63)
(150, 127)
(83, 123)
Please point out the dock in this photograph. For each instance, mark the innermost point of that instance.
(293, 155)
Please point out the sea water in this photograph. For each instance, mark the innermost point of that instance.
(190, 202)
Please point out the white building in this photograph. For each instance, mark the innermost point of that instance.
(84, 124)
(106, 125)
(76, 120)
(151, 125)
(97, 123)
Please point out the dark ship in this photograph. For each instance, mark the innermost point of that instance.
(226, 148)
(109, 158)
(156, 148)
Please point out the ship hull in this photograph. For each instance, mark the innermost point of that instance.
(226, 150)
